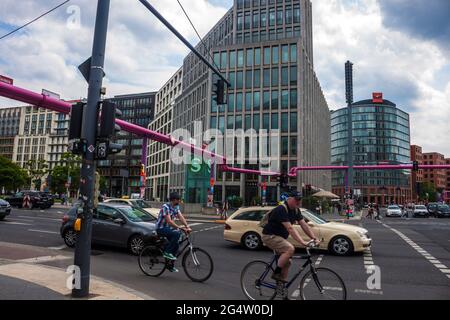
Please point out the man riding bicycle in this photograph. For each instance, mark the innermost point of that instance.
(166, 227)
(278, 229)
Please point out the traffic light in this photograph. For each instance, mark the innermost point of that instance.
(219, 92)
(416, 166)
(107, 129)
(76, 144)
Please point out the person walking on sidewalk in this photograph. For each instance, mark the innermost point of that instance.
(224, 213)
(370, 213)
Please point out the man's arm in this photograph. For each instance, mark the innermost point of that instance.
(294, 234)
(307, 230)
(182, 219)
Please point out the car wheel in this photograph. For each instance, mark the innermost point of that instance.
(136, 244)
(251, 241)
(70, 238)
(341, 246)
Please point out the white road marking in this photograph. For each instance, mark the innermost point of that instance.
(207, 229)
(445, 270)
(43, 231)
(44, 259)
(41, 218)
(16, 223)
(58, 248)
(435, 262)
(195, 224)
(377, 292)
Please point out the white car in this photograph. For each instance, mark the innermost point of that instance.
(136, 203)
(394, 211)
(420, 211)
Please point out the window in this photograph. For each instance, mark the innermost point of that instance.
(240, 21)
(293, 145)
(257, 78)
(275, 79)
(275, 121)
(275, 55)
(239, 102)
(221, 124)
(266, 121)
(257, 56)
(285, 54)
(256, 19)
(293, 99)
(213, 123)
(294, 75)
(231, 103)
(247, 21)
(256, 124)
(263, 19)
(239, 80)
(251, 215)
(266, 100)
(217, 59)
(293, 53)
(232, 79)
(230, 122)
(284, 146)
(272, 17)
(285, 99)
(284, 76)
(232, 59)
(107, 214)
(288, 14)
(240, 58)
(248, 79)
(248, 122)
(279, 16)
(267, 56)
(284, 122)
(293, 121)
(256, 100)
(223, 60)
(248, 101)
(296, 14)
(239, 122)
(274, 99)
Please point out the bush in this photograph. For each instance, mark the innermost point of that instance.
(236, 202)
(310, 203)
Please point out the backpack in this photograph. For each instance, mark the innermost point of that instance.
(265, 219)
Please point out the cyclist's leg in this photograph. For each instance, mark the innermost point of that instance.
(166, 232)
(173, 236)
(284, 249)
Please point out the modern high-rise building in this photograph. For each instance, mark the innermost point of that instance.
(158, 155)
(122, 171)
(265, 50)
(381, 135)
(9, 128)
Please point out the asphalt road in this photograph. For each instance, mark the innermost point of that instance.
(413, 257)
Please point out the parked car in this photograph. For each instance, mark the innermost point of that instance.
(37, 199)
(443, 211)
(420, 211)
(114, 225)
(432, 208)
(50, 197)
(341, 239)
(5, 209)
(393, 211)
(136, 203)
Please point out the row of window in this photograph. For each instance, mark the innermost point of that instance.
(245, 4)
(271, 35)
(262, 18)
(269, 122)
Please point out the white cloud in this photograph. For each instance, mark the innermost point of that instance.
(406, 69)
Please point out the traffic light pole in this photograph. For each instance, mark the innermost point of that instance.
(89, 132)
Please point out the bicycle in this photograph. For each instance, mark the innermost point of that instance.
(197, 263)
(316, 284)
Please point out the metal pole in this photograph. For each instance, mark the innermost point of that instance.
(89, 131)
(349, 98)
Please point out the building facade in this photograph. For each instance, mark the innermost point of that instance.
(436, 177)
(381, 134)
(265, 50)
(122, 171)
(416, 177)
(158, 159)
(9, 128)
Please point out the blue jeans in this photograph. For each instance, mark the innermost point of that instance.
(173, 236)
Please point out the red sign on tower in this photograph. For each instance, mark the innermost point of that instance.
(377, 97)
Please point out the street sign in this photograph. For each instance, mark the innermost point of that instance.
(6, 80)
(51, 94)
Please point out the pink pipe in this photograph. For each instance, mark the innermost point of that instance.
(226, 168)
(369, 167)
(43, 101)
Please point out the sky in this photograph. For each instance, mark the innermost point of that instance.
(398, 47)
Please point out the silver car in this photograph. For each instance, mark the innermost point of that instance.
(394, 211)
(115, 225)
(5, 209)
(420, 211)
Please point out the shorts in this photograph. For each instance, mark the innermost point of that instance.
(277, 243)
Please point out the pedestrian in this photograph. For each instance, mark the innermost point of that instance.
(225, 207)
(370, 214)
(405, 212)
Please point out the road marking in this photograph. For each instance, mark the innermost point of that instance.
(296, 292)
(207, 229)
(435, 262)
(445, 270)
(58, 248)
(44, 259)
(195, 224)
(43, 231)
(16, 223)
(377, 292)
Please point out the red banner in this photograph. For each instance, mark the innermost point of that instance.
(377, 97)
(6, 80)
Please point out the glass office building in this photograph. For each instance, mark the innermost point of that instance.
(381, 135)
(264, 48)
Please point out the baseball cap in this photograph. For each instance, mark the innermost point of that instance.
(174, 196)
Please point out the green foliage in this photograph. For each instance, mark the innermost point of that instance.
(37, 169)
(236, 202)
(310, 203)
(12, 177)
(428, 192)
(256, 201)
(69, 166)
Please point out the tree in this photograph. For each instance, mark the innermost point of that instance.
(37, 169)
(12, 177)
(69, 167)
(427, 192)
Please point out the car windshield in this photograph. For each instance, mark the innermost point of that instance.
(421, 207)
(141, 204)
(312, 217)
(444, 207)
(136, 215)
(394, 207)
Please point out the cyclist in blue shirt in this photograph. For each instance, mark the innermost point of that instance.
(166, 227)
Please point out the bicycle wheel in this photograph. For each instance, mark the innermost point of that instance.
(256, 282)
(198, 265)
(152, 262)
(324, 284)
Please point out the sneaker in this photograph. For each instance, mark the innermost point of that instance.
(169, 256)
(278, 278)
(173, 269)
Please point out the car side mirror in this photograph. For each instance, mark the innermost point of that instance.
(119, 221)
(310, 223)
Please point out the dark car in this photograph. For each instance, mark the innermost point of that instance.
(442, 211)
(115, 225)
(37, 199)
(5, 209)
(432, 208)
(50, 197)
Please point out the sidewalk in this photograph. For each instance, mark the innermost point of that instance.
(23, 277)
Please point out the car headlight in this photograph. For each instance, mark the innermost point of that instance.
(362, 234)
